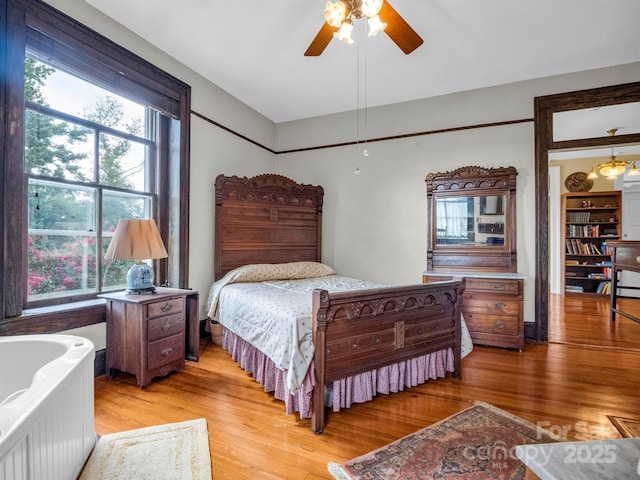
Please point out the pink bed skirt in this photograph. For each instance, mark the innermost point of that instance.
(345, 392)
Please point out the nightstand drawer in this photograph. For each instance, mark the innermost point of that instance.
(491, 304)
(165, 307)
(166, 351)
(485, 323)
(165, 326)
(508, 287)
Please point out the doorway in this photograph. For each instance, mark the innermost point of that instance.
(545, 108)
(583, 318)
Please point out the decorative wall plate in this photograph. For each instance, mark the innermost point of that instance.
(578, 182)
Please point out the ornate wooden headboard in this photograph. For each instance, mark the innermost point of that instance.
(265, 219)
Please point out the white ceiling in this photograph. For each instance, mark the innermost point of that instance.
(254, 49)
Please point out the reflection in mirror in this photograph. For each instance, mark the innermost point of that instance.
(460, 221)
(594, 122)
(491, 205)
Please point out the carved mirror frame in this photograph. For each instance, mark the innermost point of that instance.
(545, 107)
(483, 256)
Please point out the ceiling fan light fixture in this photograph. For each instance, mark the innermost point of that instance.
(335, 13)
(592, 174)
(371, 8)
(344, 33)
(633, 171)
(342, 14)
(375, 25)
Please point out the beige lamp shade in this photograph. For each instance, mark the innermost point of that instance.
(136, 240)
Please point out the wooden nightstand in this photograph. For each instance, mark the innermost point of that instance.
(147, 334)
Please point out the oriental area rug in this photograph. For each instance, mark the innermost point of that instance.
(174, 451)
(628, 427)
(476, 443)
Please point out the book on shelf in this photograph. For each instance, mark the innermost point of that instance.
(578, 217)
(596, 276)
(604, 263)
(604, 288)
(576, 246)
(583, 230)
(573, 289)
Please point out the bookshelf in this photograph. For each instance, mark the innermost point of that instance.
(589, 220)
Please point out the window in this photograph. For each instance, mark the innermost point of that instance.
(91, 133)
(89, 160)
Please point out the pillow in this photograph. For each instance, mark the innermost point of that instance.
(266, 271)
(278, 271)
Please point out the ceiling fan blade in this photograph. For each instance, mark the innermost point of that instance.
(320, 42)
(398, 30)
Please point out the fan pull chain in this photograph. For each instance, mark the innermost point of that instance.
(357, 170)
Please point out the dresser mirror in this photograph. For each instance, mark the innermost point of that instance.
(472, 220)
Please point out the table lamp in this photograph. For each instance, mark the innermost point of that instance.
(137, 240)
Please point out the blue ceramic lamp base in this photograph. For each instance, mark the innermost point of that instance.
(140, 279)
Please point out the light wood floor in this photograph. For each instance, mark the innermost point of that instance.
(559, 386)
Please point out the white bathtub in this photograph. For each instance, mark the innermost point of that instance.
(46, 406)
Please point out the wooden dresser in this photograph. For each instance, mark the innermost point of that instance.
(492, 306)
(146, 333)
(625, 256)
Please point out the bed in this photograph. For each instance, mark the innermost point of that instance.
(342, 340)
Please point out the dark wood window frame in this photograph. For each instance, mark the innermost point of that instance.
(34, 24)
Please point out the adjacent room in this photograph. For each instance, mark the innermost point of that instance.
(332, 240)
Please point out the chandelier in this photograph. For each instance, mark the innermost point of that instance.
(613, 168)
(341, 14)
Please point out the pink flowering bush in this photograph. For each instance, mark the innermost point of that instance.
(67, 264)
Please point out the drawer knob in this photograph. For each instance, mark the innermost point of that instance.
(166, 326)
(499, 286)
(499, 325)
(499, 305)
(166, 351)
(166, 307)
(419, 331)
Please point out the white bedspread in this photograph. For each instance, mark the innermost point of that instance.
(275, 317)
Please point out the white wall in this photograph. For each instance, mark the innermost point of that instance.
(375, 223)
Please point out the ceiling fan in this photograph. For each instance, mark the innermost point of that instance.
(381, 16)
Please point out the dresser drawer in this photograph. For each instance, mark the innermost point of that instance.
(165, 307)
(491, 304)
(496, 324)
(165, 351)
(488, 285)
(165, 326)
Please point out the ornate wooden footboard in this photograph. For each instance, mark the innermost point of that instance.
(355, 332)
